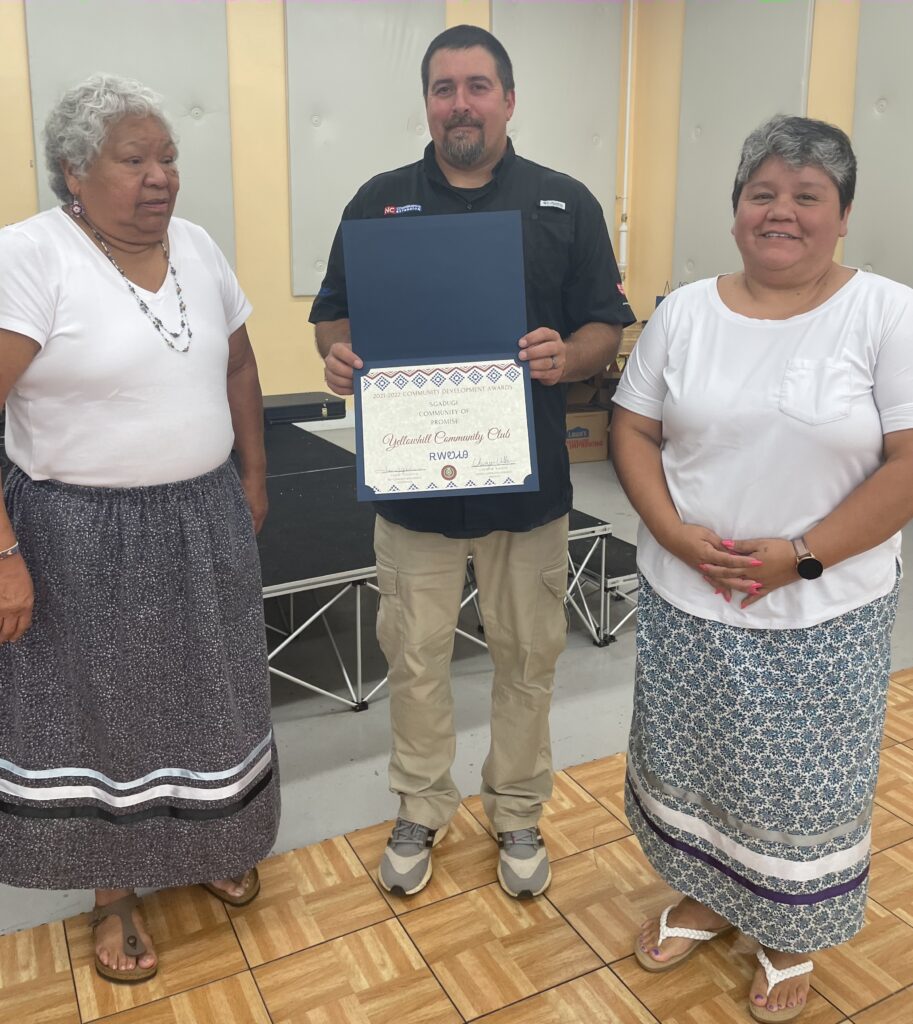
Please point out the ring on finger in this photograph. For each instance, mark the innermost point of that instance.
(554, 363)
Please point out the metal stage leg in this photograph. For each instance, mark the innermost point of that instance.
(353, 702)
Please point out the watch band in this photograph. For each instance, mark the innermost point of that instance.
(801, 548)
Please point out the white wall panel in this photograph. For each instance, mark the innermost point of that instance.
(567, 66)
(355, 109)
(880, 234)
(742, 63)
(178, 49)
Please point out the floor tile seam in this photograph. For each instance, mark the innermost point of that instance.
(431, 970)
(908, 819)
(601, 959)
(322, 942)
(66, 939)
(164, 998)
(888, 910)
(535, 995)
(269, 1015)
(884, 999)
(628, 988)
(584, 788)
(372, 876)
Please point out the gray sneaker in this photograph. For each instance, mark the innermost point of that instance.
(523, 868)
(405, 867)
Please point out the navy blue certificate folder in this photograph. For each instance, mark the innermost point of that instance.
(432, 290)
(444, 286)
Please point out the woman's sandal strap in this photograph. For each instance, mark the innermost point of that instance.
(123, 908)
(665, 932)
(774, 977)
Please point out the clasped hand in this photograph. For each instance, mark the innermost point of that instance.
(754, 567)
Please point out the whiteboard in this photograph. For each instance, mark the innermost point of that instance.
(741, 64)
(880, 236)
(355, 109)
(180, 51)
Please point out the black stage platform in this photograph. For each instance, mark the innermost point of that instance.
(318, 536)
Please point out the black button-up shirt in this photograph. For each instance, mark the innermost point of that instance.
(571, 280)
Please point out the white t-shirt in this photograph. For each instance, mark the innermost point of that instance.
(106, 402)
(767, 426)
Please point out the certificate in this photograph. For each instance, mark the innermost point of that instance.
(437, 305)
(445, 428)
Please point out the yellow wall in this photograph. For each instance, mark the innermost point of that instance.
(18, 184)
(659, 36)
(257, 84)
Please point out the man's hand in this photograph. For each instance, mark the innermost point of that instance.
(340, 365)
(546, 354)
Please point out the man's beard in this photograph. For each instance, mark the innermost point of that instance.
(465, 151)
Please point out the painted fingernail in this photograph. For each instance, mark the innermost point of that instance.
(760, 999)
(654, 952)
(718, 591)
(728, 543)
(754, 561)
(727, 597)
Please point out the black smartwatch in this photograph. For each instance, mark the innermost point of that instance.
(807, 566)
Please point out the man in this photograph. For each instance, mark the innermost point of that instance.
(518, 541)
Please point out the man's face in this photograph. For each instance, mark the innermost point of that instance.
(467, 107)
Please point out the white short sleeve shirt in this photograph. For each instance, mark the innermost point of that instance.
(106, 402)
(767, 426)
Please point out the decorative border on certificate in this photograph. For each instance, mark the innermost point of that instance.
(445, 428)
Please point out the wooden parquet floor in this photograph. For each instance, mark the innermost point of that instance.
(323, 944)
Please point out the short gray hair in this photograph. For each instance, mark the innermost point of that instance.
(78, 125)
(800, 142)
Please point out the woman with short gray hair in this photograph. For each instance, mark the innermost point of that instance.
(135, 739)
(763, 431)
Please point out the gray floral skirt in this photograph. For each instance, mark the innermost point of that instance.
(752, 765)
(135, 738)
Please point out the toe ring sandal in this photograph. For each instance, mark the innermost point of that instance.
(251, 880)
(665, 932)
(133, 944)
(774, 977)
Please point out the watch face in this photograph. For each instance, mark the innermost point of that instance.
(809, 568)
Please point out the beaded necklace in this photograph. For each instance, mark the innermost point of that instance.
(170, 337)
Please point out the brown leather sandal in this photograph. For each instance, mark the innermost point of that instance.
(250, 880)
(133, 945)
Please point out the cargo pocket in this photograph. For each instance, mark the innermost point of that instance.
(389, 631)
(815, 391)
(552, 614)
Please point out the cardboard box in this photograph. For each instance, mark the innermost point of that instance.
(587, 435)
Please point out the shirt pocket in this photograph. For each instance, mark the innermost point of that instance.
(548, 236)
(815, 391)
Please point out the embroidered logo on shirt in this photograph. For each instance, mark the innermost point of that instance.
(556, 203)
(411, 208)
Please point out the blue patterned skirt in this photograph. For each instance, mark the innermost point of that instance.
(752, 765)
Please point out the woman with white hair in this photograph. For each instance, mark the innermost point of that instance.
(135, 739)
(764, 433)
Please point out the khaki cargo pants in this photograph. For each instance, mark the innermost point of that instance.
(522, 579)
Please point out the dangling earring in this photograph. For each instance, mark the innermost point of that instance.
(76, 207)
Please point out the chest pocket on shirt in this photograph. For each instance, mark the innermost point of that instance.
(815, 391)
(548, 235)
